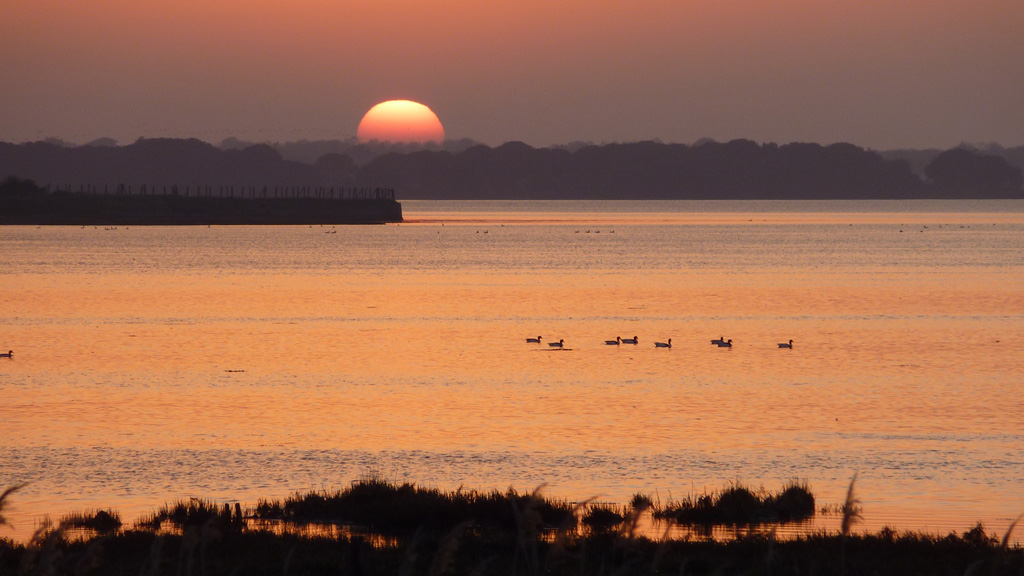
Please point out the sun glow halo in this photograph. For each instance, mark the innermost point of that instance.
(402, 121)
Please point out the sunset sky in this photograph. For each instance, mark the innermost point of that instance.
(877, 73)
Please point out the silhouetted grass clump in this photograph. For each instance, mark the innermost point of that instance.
(101, 522)
(381, 506)
(794, 503)
(195, 512)
(603, 517)
(641, 501)
(739, 505)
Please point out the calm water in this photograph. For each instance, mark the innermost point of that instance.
(153, 364)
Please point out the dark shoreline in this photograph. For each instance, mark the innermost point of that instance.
(378, 527)
(77, 209)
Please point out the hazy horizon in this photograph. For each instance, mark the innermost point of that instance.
(875, 74)
(459, 144)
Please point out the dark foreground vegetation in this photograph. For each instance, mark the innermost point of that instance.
(376, 527)
(25, 202)
(739, 505)
(739, 169)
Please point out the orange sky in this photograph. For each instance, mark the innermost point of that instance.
(877, 73)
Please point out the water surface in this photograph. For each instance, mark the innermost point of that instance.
(157, 363)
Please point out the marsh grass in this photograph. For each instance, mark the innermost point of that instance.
(851, 509)
(623, 520)
(607, 545)
(462, 551)
(604, 517)
(100, 522)
(5, 498)
(1009, 532)
(738, 505)
(194, 512)
(381, 506)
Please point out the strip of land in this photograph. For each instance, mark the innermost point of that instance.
(37, 206)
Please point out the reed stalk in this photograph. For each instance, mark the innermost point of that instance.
(851, 515)
(4, 502)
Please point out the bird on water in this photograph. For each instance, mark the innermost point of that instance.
(558, 344)
(10, 354)
(616, 342)
(720, 341)
(663, 344)
(632, 340)
(534, 340)
(786, 344)
(726, 344)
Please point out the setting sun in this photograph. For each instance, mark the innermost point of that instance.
(400, 121)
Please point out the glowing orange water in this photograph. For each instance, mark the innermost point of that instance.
(158, 363)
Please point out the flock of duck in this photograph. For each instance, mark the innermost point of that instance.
(721, 342)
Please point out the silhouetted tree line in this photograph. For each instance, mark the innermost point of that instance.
(919, 158)
(309, 151)
(740, 169)
(14, 187)
(168, 162)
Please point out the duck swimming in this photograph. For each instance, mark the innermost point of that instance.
(632, 340)
(10, 354)
(616, 342)
(726, 344)
(786, 344)
(534, 340)
(663, 344)
(558, 344)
